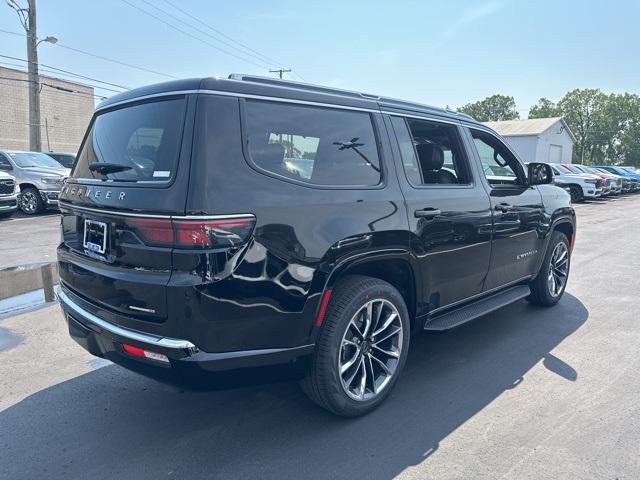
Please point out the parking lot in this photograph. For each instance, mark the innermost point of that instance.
(522, 393)
(25, 239)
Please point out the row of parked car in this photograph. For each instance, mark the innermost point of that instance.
(590, 182)
(31, 181)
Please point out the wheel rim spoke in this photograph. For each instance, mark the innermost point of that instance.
(559, 270)
(388, 335)
(368, 318)
(347, 365)
(388, 353)
(363, 378)
(382, 364)
(370, 349)
(389, 320)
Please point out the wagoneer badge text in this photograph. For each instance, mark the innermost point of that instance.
(88, 192)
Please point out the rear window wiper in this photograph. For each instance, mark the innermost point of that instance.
(105, 168)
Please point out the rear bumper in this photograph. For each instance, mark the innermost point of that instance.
(104, 339)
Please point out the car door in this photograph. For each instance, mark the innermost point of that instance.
(449, 211)
(517, 209)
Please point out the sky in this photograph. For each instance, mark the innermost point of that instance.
(438, 53)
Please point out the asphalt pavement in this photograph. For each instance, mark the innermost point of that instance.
(26, 239)
(523, 393)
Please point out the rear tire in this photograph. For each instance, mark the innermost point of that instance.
(549, 285)
(577, 195)
(31, 202)
(357, 362)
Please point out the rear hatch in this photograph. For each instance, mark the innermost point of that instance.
(130, 179)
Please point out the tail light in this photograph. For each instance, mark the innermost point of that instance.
(194, 233)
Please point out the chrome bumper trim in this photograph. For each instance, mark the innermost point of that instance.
(153, 340)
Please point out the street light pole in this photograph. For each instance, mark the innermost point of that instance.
(35, 142)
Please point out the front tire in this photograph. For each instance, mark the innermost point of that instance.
(577, 195)
(549, 285)
(362, 348)
(31, 202)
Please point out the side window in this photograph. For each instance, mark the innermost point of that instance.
(431, 152)
(499, 165)
(319, 146)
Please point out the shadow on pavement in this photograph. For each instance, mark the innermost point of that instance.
(113, 423)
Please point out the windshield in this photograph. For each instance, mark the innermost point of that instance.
(572, 168)
(66, 159)
(563, 168)
(34, 159)
(138, 143)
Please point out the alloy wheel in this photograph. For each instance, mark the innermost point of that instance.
(370, 349)
(28, 202)
(559, 269)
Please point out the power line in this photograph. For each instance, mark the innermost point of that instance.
(54, 87)
(83, 52)
(259, 58)
(89, 85)
(249, 49)
(262, 66)
(69, 73)
(264, 57)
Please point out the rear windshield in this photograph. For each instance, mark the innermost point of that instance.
(139, 143)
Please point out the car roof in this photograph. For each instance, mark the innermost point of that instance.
(264, 87)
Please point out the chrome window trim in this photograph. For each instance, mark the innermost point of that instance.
(237, 95)
(70, 206)
(149, 339)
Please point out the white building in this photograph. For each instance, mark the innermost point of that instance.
(538, 139)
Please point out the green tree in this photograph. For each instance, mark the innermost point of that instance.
(584, 111)
(491, 109)
(545, 108)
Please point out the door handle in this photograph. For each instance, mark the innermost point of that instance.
(503, 207)
(427, 213)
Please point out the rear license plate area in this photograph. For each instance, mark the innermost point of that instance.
(95, 236)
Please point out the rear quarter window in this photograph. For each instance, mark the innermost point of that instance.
(314, 145)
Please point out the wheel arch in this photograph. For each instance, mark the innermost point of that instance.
(568, 228)
(25, 185)
(397, 267)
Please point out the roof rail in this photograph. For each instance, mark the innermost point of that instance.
(392, 102)
(300, 85)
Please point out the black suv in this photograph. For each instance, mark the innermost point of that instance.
(217, 224)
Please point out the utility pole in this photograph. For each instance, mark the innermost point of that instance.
(279, 71)
(35, 143)
(28, 20)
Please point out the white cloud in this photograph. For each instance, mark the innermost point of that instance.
(471, 15)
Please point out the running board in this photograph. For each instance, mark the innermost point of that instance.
(457, 317)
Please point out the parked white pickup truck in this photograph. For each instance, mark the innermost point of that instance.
(581, 186)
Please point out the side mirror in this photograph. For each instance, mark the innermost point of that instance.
(6, 167)
(539, 174)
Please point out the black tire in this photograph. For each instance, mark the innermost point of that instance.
(31, 202)
(542, 289)
(323, 383)
(576, 194)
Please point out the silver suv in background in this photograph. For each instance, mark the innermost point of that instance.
(39, 177)
(8, 195)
